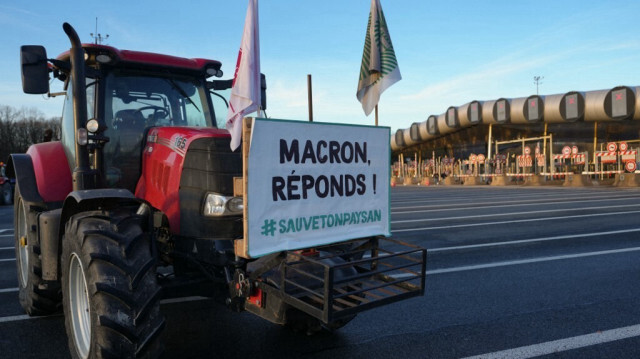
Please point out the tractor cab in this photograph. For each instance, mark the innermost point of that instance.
(129, 93)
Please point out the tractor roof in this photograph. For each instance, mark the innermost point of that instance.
(107, 55)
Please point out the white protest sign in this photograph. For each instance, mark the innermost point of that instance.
(311, 184)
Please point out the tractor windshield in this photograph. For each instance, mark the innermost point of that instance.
(133, 103)
(139, 101)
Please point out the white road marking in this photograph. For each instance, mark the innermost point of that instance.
(8, 290)
(183, 300)
(562, 345)
(597, 234)
(8, 260)
(6, 235)
(620, 206)
(16, 318)
(6, 248)
(495, 196)
(514, 221)
(529, 261)
(495, 204)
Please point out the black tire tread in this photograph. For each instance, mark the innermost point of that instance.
(122, 283)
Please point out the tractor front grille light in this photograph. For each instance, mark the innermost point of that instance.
(216, 205)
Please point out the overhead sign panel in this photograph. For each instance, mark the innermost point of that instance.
(432, 125)
(400, 138)
(452, 117)
(619, 103)
(571, 106)
(534, 110)
(475, 113)
(415, 132)
(501, 111)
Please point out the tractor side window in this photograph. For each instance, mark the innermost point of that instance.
(220, 106)
(68, 129)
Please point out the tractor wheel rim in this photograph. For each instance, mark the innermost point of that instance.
(23, 248)
(79, 306)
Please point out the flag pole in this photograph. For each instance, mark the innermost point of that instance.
(310, 97)
(376, 115)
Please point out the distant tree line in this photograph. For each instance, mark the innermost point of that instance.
(20, 128)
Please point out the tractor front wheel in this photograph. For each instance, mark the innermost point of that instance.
(111, 297)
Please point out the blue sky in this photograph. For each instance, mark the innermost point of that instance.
(449, 52)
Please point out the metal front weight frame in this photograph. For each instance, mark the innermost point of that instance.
(338, 281)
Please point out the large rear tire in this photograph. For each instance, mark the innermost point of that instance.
(111, 297)
(36, 297)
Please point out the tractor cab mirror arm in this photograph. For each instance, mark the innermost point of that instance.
(219, 85)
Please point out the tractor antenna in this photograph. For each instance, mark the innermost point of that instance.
(97, 37)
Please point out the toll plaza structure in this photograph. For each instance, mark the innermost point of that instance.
(572, 139)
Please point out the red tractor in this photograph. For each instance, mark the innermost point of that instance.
(136, 203)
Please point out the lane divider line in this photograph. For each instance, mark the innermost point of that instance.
(514, 221)
(497, 205)
(532, 260)
(16, 318)
(562, 345)
(533, 240)
(515, 213)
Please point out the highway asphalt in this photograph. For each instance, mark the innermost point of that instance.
(513, 272)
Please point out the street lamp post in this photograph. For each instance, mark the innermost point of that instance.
(537, 80)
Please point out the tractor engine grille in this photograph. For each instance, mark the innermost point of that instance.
(209, 166)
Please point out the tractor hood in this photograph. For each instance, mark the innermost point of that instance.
(180, 165)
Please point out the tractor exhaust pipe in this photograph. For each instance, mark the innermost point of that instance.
(83, 177)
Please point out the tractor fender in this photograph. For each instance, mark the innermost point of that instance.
(20, 166)
(51, 169)
(52, 223)
(94, 199)
(42, 174)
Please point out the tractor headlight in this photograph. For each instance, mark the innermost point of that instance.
(235, 204)
(218, 205)
(92, 125)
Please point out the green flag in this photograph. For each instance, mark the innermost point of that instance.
(379, 68)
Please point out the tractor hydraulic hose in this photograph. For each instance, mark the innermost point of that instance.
(82, 175)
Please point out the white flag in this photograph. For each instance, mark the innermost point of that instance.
(379, 68)
(245, 91)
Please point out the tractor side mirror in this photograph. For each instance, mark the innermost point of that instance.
(35, 70)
